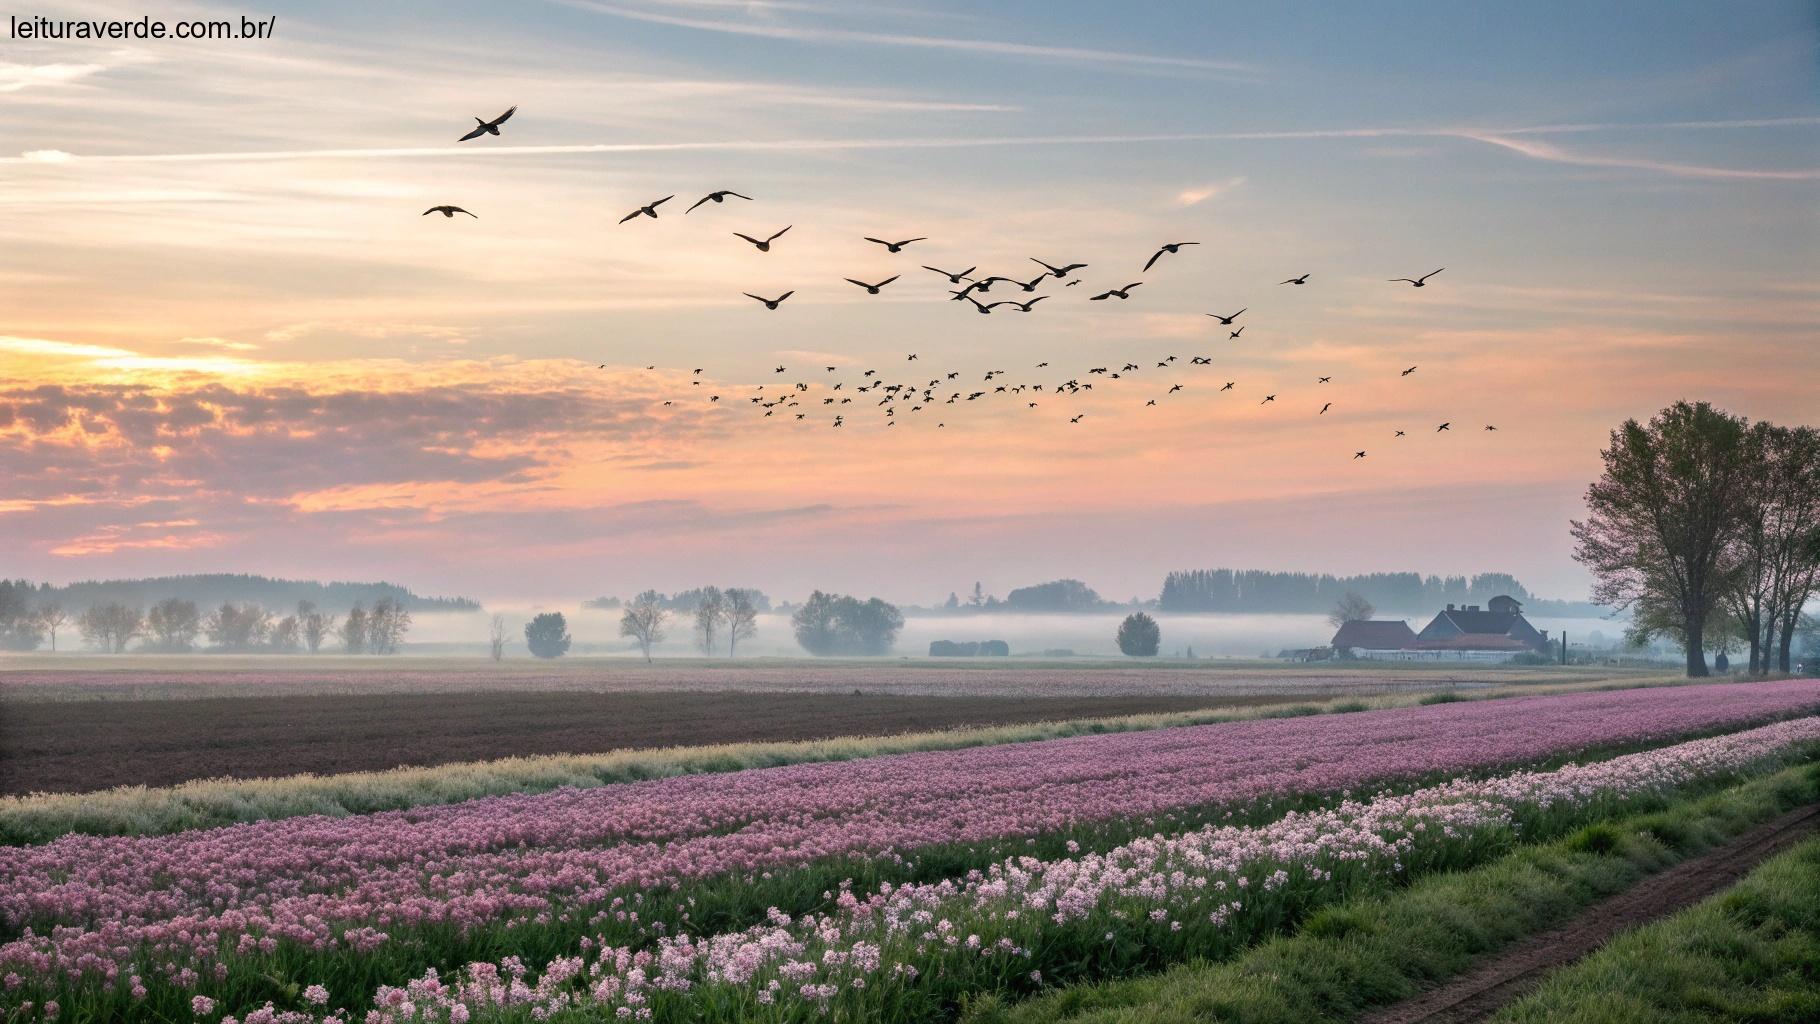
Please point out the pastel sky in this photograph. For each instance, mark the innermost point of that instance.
(229, 342)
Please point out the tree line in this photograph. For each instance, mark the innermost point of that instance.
(824, 625)
(177, 625)
(1707, 526)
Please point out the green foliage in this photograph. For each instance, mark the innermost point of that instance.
(1139, 636)
(835, 624)
(547, 635)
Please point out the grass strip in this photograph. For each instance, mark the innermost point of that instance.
(1381, 948)
(1750, 954)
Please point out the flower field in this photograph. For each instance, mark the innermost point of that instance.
(1166, 842)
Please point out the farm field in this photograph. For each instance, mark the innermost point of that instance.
(889, 888)
(48, 746)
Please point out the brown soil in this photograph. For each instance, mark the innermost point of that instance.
(88, 745)
(1477, 994)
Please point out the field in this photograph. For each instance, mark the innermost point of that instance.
(835, 885)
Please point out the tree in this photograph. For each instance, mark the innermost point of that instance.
(710, 614)
(353, 630)
(835, 624)
(1789, 469)
(387, 624)
(52, 617)
(235, 627)
(546, 635)
(1661, 518)
(644, 621)
(496, 637)
(979, 595)
(312, 626)
(1350, 608)
(20, 629)
(173, 624)
(286, 635)
(1140, 636)
(742, 618)
(110, 626)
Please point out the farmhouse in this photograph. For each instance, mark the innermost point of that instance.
(1498, 632)
(1501, 618)
(1363, 638)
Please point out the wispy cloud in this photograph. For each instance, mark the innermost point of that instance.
(1555, 154)
(1201, 193)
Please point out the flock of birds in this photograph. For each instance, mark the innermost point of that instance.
(798, 398)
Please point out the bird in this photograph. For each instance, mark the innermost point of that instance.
(1399, 433)
(1076, 419)
(770, 303)
(1490, 427)
(1150, 403)
(1236, 333)
(1072, 283)
(764, 246)
(448, 211)
(1123, 293)
(1358, 455)
(1229, 385)
(1407, 372)
(872, 289)
(1171, 247)
(895, 246)
(1227, 320)
(488, 127)
(1443, 426)
(1059, 272)
(977, 304)
(1322, 380)
(1324, 409)
(649, 209)
(953, 277)
(1023, 307)
(716, 197)
(1268, 398)
(1419, 282)
(1296, 280)
(1030, 285)
(1174, 389)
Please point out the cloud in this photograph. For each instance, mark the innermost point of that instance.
(1202, 193)
(1555, 154)
(14, 77)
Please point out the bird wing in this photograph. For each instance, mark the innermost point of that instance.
(880, 241)
(786, 295)
(749, 295)
(507, 116)
(888, 280)
(478, 131)
(1235, 316)
(1034, 301)
(629, 216)
(473, 215)
(1152, 261)
(780, 234)
(862, 284)
(1051, 269)
(730, 192)
(748, 238)
(1411, 280)
(907, 241)
(662, 201)
(698, 202)
(1432, 273)
(1130, 286)
(1073, 267)
(1102, 295)
(433, 209)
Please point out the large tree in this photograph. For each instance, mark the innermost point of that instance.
(1139, 636)
(546, 635)
(644, 620)
(110, 626)
(836, 624)
(742, 618)
(1350, 608)
(173, 624)
(1661, 519)
(710, 615)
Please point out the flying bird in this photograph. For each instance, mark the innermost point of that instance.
(1236, 333)
(1228, 386)
(1443, 426)
(1407, 372)
(649, 209)
(1172, 247)
(1490, 427)
(1324, 409)
(488, 127)
(1296, 280)
(770, 303)
(447, 211)
(872, 289)
(1023, 307)
(764, 246)
(1399, 433)
(1322, 380)
(1419, 282)
(1123, 293)
(716, 197)
(1059, 272)
(895, 246)
(1227, 320)
(1358, 455)
(953, 278)
(1268, 398)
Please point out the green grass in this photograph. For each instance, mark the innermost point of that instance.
(1383, 947)
(1751, 954)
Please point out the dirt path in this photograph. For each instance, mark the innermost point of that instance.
(1477, 994)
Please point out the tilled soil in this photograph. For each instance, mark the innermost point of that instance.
(1481, 992)
(79, 746)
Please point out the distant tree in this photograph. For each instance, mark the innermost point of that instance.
(1054, 596)
(546, 635)
(644, 621)
(834, 624)
(20, 629)
(111, 626)
(953, 601)
(496, 637)
(286, 636)
(53, 617)
(979, 595)
(387, 624)
(1662, 517)
(313, 627)
(710, 615)
(235, 627)
(1350, 608)
(742, 618)
(173, 624)
(353, 631)
(1140, 636)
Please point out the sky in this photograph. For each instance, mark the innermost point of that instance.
(230, 342)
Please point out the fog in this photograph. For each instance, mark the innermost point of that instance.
(596, 632)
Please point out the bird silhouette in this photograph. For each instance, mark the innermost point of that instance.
(1228, 386)
(1227, 320)
(764, 246)
(1407, 372)
(872, 289)
(770, 303)
(716, 197)
(895, 246)
(1031, 284)
(1296, 280)
(1076, 419)
(1443, 426)
(1419, 282)
(1059, 272)
(649, 209)
(1123, 293)
(1236, 333)
(1399, 433)
(488, 127)
(953, 277)
(1322, 380)
(1171, 247)
(1490, 427)
(1023, 307)
(447, 211)
(1358, 455)
(1324, 409)
(1268, 398)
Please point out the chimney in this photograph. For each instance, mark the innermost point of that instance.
(1472, 607)
(1450, 606)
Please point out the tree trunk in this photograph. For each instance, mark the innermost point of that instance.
(1696, 647)
(1756, 642)
(1785, 649)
